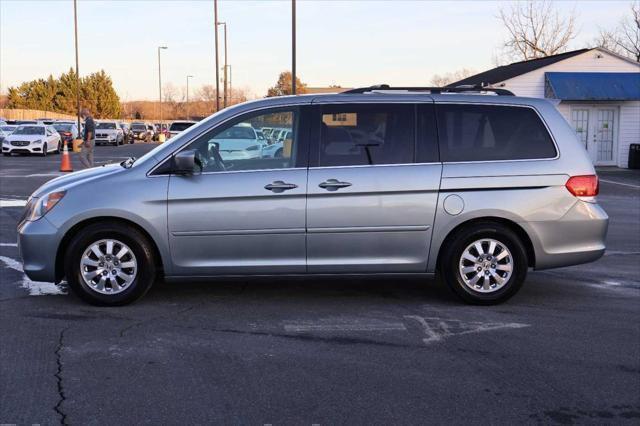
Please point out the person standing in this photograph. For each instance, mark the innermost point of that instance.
(89, 138)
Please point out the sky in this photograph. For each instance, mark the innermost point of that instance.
(349, 43)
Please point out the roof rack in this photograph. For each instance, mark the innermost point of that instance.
(432, 90)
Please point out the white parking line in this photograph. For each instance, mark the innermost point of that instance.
(8, 244)
(620, 183)
(35, 288)
(12, 203)
(437, 329)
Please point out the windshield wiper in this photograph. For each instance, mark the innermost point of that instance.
(128, 162)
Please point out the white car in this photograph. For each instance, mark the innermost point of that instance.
(109, 132)
(239, 142)
(179, 126)
(32, 139)
(7, 129)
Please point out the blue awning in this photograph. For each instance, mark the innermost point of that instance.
(592, 86)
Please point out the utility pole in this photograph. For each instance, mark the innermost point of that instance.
(215, 27)
(160, 81)
(75, 25)
(224, 72)
(293, 46)
(188, 115)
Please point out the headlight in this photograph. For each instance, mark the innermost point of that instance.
(37, 142)
(38, 207)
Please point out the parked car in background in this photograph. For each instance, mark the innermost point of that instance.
(179, 126)
(238, 142)
(126, 132)
(20, 122)
(109, 132)
(68, 131)
(32, 139)
(8, 128)
(139, 131)
(3, 135)
(151, 129)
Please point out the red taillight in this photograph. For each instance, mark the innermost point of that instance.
(67, 133)
(583, 186)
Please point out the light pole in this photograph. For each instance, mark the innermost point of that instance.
(75, 25)
(215, 27)
(225, 64)
(160, 81)
(188, 77)
(293, 46)
(230, 88)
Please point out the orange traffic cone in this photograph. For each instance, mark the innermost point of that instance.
(65, 165)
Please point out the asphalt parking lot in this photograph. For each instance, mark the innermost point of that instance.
(325, 351)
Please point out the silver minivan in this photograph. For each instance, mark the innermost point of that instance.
(474, 184)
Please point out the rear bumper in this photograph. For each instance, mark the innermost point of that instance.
(578, 237)
(38, 245)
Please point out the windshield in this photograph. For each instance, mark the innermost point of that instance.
(106, 126)
(138, 127)
(62, 127)
(29, 130)
(178, 127)
(237, 132)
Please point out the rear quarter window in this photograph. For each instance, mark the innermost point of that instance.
(492, 133)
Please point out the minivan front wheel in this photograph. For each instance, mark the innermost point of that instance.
(485, 263)
(110, 264)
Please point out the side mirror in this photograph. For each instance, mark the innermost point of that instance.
(184, 162)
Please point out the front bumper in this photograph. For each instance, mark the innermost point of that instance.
(578, 237)
(28, 149)
(106, 142)
(38, 244)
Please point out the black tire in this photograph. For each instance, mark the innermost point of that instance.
(44, 150)
(59, 149)
(6, 154)
(278, 153)
(137, 242)
(452, 252)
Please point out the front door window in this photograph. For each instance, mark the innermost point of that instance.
(241, 146)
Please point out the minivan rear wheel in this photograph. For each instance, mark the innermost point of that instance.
(110, 264)
(484, 263)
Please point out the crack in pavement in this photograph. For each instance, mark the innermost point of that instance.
(58, 376)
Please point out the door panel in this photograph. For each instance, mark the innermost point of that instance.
(228, 223)
(604, 134)
(381, 223)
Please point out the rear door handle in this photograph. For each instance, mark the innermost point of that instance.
(280, 186)
(333, 184)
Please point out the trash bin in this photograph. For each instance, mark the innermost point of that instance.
(634, 156)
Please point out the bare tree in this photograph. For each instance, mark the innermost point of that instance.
(536, 29)
(441, 80)
(625, 39)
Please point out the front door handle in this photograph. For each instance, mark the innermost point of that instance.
(333, 184)
(280, 186)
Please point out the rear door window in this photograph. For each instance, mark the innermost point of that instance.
(491, 133)
(352, 135)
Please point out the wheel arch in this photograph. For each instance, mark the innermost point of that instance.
(66, 239)
(515, 227)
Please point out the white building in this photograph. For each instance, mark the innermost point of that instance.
(597, 91)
